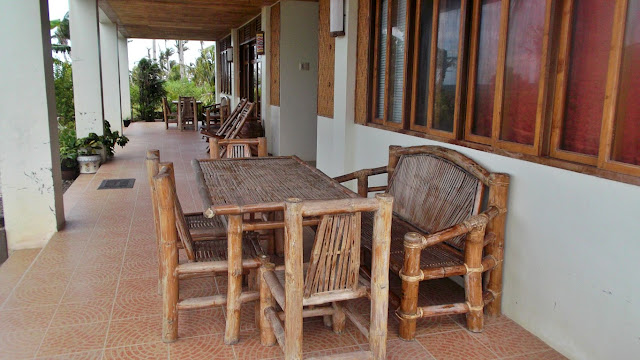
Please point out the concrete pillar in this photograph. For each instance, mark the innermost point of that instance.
(123, 65)
(87, 81)
(218, 71)
(29, 152)
(109, 61)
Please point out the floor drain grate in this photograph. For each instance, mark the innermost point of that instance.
(117, 184)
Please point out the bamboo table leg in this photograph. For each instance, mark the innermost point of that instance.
(234, 288)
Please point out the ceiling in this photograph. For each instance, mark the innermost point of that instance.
(181, 19)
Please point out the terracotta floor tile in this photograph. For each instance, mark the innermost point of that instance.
(83, 355)
(401, 350)
(201, 322)
(98, 275)
(249, 347)
(156, 350)
(87, 291)
(136, 307)
(71, 339)
(27, 296)
(138, 287)
(135, 331)
(30, 318)
(510, 339)
(210, 347)
(20, 344)
(455, 345)
(543, 355)
(331, 351)
(50, 278)
(82, 312)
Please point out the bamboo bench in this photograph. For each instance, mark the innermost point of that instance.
(449, 220)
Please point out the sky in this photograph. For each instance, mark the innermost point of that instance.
(137, 47)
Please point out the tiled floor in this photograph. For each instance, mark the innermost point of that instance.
(91, 292)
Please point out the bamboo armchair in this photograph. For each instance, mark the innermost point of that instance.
(332, 276)
(232, 117)
(204, 257)
(236, 148)
(216, 112)
(449, 220)
(168, 115)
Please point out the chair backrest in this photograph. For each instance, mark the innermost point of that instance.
(234, 114)
(166, 109)
(334, 261)
(435, 188)
(186, 106)
(236, 148)
(166, 170)
(237, 124)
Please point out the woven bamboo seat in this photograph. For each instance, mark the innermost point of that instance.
(216, 250)
(448, 220)
(440, 255)
(203, 227)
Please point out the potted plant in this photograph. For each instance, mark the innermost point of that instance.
(126, 121)
(110, 139)
(89, 149)
(68, 152)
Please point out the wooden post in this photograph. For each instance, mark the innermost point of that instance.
(380, 277)
(473, 278)
(153, 163)
(394, 156)
(262, 147)
(214, 148)
(293, 269)
(338, 319)
(410, 284)
(234, 288)
(278, 234)
(267, 337)
(363, 184)
(498, 195)
(169, 261)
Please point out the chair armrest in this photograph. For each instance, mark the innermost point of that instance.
(363, 179)
(464, 227)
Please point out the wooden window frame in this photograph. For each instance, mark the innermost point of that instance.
(460, 69)
(374, 93)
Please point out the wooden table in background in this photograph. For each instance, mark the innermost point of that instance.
(196, 104)
(234, 187)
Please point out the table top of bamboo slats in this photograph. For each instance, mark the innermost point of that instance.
(236, 186)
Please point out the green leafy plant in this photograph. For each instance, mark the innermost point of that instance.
(90, 145)
(68, 146)
(63, 84)
(147, 77)
(111, 138)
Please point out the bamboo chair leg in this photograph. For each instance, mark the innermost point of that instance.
(473, 279)
(252, 279)
(408, 313)
(338, 318)
(498, 197)
(234, 290)
(267, 337)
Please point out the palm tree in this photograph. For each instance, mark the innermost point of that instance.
(165, 62)
(181, 46)
(62, 35)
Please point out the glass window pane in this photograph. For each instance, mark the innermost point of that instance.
(588, 61)
(522, 70)
(396, 61)
(488, 36)
(626, 144)
(446, 64)
(382, 59)
(424, 60)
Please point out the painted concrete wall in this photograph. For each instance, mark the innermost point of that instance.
(123, 68)
(110, 72)
(29, 156)
(85, 56)
(298, 88)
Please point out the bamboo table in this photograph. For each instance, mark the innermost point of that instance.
(234, 187)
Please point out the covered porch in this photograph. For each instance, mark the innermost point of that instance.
(91, 291)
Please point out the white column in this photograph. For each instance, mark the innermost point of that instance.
(266, 77)
(218, 71)
(110, 72)
(123, 60)
(29, 154)
(85, 54)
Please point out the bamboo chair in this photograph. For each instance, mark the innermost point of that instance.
(169, 116)
(216, 112)
(332, 276)
(449, 220)
(231, 128)
(188, 114)
(237, 148)
(234, 114)
(204, 257)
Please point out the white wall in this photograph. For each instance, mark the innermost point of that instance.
(298, 88)
(29, 153)
(123, 68)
